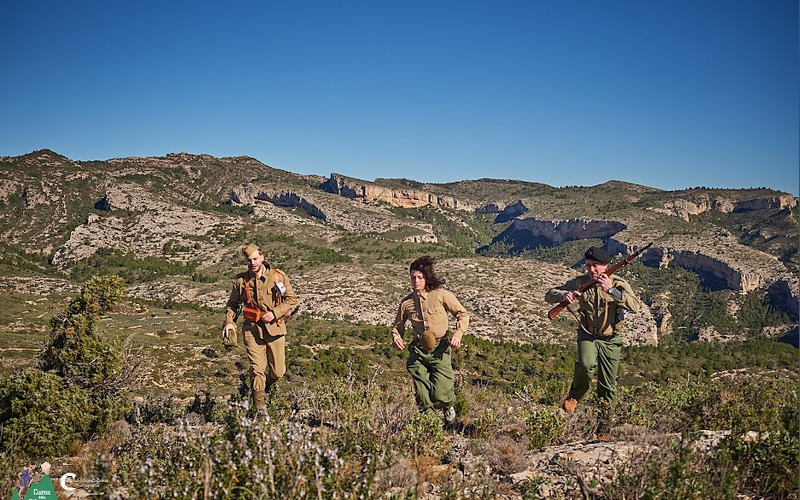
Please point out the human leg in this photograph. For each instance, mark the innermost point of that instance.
(276, 358)
(257, 355)
(441, 376)
(608, 356)
(417, 367)
(585, 366)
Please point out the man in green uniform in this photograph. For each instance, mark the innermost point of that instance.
(268, 298)
(429, 361)
(601, 315)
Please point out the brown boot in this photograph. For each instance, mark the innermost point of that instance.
(569, 405)
(260, 399)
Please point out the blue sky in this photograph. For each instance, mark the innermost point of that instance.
(666, 94)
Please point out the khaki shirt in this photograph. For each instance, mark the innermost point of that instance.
(428, 310)
(592, 304)
(261, 292)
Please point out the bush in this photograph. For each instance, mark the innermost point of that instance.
(248, 458)
(75, 350)
(41, 416)
(767, 465)
(72, 393)
(423, 436)
(545, 427)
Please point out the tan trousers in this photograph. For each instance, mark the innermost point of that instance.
(267, 355)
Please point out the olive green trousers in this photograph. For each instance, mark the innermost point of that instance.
(432, 373)
(597, 358)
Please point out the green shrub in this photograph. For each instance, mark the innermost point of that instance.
(72, 393)
(545, 426)
(249, 457)
(159, 409)
(41, 416)
(75, 350)
(424, 435)
(766, 465)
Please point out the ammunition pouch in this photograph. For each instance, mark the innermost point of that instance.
(251, 314)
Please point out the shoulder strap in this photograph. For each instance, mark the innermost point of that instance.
(248, 293)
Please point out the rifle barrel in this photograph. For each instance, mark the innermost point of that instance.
(552, 313)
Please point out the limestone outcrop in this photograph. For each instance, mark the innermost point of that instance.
(511, 212)
(248, 194)
(406, 198)
(554, 233)
(784, 294)
(703, 203)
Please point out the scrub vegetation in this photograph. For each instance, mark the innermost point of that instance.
(111, 278)
(344, 423)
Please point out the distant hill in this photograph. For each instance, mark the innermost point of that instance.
(171, 226)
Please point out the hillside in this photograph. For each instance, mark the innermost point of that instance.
(719, 285)
(503, 242)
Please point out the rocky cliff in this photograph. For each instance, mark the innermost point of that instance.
(699, 204)
(196, 209)
(407, 198)
(554, 233)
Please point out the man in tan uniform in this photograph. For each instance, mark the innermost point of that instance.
(429, 361)
(268, 299)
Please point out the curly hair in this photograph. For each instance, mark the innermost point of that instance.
(425, 265)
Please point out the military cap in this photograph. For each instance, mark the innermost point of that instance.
(248, 250)
(598, 254)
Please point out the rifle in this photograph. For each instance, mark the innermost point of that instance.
(552, 313)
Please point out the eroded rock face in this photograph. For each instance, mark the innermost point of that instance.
(557, 232)
(659, 307)
(249, 194)
(775, 202)
(734, 267)
(489, 208)
(733, 275)
(511, 211)
(684, 208)
(784, 294)
(406, 198)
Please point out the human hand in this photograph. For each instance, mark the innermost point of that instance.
(455, 342)
(398, 344)
(571, 297)
(605, 282)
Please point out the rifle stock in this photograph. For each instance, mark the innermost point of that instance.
(552, 313)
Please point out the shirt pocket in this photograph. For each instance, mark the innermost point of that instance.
(410, 313)
(436, 310)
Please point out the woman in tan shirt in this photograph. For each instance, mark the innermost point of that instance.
(429, 361)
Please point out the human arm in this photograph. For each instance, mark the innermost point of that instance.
(568, 292)
(454, 307)
(398, 328)
(623, 293)
(234, 300)
(288, 299)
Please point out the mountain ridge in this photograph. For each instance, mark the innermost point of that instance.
(69, 210)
